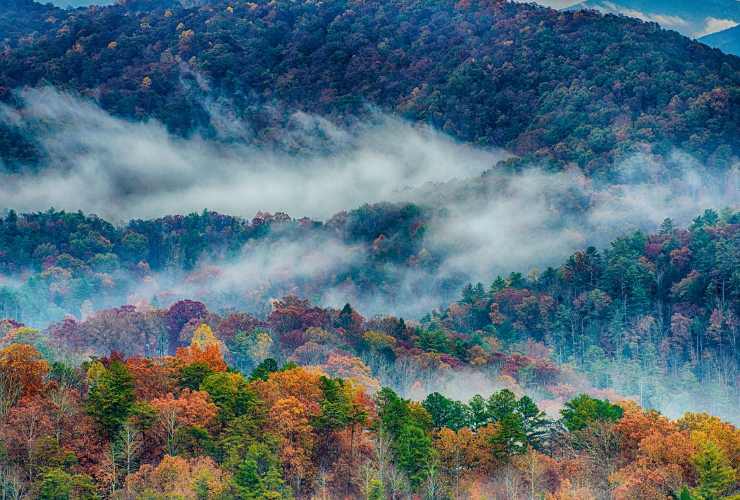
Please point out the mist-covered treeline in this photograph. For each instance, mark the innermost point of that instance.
(654, 316)
(56, 263)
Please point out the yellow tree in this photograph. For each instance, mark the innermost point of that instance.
(177, 477)
(203, 348)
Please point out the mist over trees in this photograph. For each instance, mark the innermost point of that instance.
(366, 249)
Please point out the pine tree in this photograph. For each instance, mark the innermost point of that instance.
(716, 476)
(111, 397)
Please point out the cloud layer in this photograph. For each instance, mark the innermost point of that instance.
(120, 169)
(484, 225)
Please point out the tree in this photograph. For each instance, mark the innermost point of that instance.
(583, 410)
(24, 428)
(178, 315)
(520, 423)
(250, 348)
(263, 370)
(153, 378)
(289, 421)
(189, 409)
(446, 412)
(22, 372)
(57, 484)
(192, 375)
(716, 476)
(414, 452)
(407, 425)
(204, 349)
(111, 397)
(178, 477)
(258, 476)
(231, 393)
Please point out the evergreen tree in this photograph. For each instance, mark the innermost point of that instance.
(111, 397)
(584, 410)
(716, 476)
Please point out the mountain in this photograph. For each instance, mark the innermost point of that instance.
(25, 18)
(688, 17)
(727, 41)
(565, 87)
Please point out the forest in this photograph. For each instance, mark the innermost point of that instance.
(366, 249)
(561, 374)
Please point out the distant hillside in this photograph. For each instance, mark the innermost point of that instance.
(727, 41)
(25, 18)
(573, 87)
(688, 17)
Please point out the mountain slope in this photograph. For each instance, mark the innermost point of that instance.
(25, 18)
(574, 87)
(727, 41)
(688, 17)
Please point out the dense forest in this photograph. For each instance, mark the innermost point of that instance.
(58, 263)
(190, 425)
(653, 315)
(519, 276)
(571, 87)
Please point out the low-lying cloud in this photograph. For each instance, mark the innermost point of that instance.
(483, 225)
(120, 169)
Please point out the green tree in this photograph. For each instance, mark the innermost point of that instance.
(414, 452)
(521, 423)
(407, 426)
(715, 474)
(263, 370)
(111, 397)
(231, 393)
(392, 410)
(336, 409)
(57, 484)
(583, 410)
(192, 375)
(259, 475)
(446, 412)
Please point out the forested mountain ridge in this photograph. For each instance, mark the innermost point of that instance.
(537, 298)
(24, 19)
(573, 87)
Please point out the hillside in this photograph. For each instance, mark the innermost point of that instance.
(190, 426)
(728, 41)
(506, 385)
(571, 87)
(369, 249)
(25, 18)
(662, 305)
